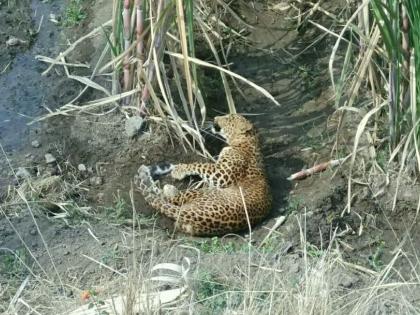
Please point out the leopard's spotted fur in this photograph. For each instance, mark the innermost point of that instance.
(237, 192)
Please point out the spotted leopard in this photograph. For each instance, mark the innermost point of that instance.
(236, 193)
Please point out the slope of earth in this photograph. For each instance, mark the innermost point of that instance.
(81, 233)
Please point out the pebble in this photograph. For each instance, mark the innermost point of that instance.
(32, 232)
(100, 197)
(133, 126)
(82, 168)
(49, 158)
(96, 181)
(53, 18)
(22, 173)
(35, 144)
(347, 281)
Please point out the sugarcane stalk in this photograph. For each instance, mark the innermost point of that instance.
(127, 29)
(158, 47)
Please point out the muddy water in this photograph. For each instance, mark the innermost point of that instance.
(24, 92)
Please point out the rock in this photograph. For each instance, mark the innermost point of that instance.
(133, 126)
(82, 168)
(49, 158)
(96, 181)
(22, 173)
(347, 281)
(100, 197)
(35, 144)
(53, 18)
(32, 232)
(294, 268)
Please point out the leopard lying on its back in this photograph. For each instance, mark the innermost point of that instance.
(236, 190)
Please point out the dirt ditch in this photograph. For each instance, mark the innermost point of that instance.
(95, 208)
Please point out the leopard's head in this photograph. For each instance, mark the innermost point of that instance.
(232, 127)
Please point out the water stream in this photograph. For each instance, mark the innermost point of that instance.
(23, 89)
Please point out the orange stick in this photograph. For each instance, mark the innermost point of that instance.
(315, 169)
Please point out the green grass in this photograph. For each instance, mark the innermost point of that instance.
(12, 264)
(375, 260)
(402, 51)
(75, 13)
(216, 245)
(212, 293)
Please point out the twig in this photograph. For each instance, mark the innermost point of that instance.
(315, 169)
(279, 221)
(56, 62)
(73, 46)
(19, 291)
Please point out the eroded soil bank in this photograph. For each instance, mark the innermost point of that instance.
(85, 214)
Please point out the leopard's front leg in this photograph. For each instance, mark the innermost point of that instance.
(223, 173)
(228, 168)
(204, 170)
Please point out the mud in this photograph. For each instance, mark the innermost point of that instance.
(294, 135)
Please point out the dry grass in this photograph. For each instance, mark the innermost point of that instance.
(142, 33)
(186, 279)
(155, 275)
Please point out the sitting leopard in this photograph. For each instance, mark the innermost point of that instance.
(236, 192)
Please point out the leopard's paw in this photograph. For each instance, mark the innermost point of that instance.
(169, 191)
(177, 173)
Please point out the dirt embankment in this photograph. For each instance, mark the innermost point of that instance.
(85, 215)
(16, 30)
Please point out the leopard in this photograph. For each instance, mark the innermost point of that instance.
(234, 195)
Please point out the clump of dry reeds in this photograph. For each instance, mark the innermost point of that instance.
(148, 40)
(380, 70)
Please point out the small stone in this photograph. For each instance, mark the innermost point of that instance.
(96, 181)
(49, 158)
(82, 168)
(54, 19)
(22, 173)
(133, 126)
(66, 253)
(294, 268)
(32, 232)
(69, 293)
(35, 144)
(347, 281)
(100, 197)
